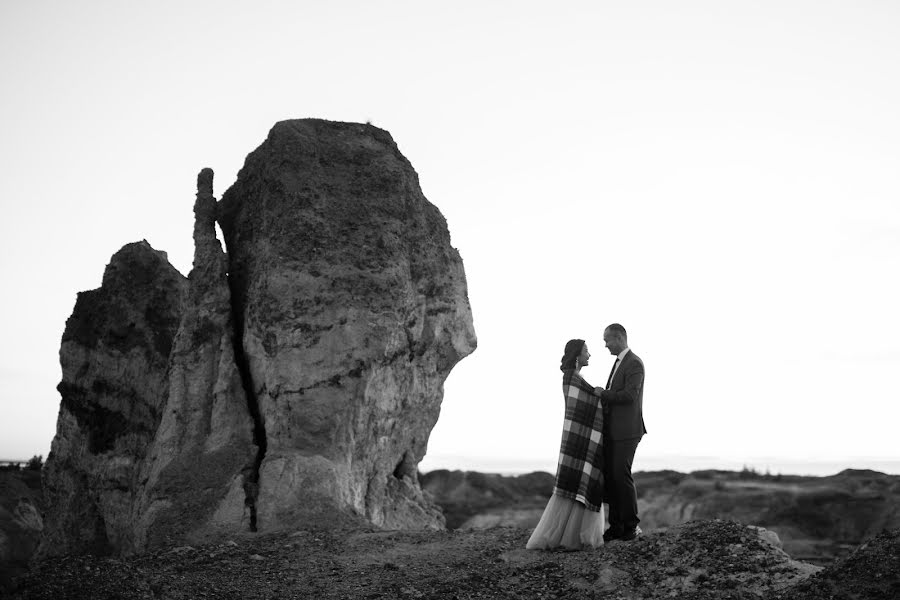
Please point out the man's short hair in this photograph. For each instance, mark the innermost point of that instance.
(618, 330)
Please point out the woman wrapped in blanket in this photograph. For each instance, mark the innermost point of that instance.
(574, 516)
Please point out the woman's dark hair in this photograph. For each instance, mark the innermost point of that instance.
(572, 352)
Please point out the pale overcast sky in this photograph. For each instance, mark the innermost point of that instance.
(720, 177)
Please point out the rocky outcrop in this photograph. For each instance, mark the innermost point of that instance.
(352, 309)
(155, 437)
(297, 377)
(202, 463)
(871, 571)
(114, 356)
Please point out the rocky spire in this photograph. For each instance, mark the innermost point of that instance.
(203, 456)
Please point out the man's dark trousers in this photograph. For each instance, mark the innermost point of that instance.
(618, 458)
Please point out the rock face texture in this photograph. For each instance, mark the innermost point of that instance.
(114, 357)
(352, 309)
(298, 376)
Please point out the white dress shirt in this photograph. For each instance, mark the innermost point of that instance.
(618, 362)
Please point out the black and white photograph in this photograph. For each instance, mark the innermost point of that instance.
(471, 300)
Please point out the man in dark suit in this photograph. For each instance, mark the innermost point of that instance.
(623, 428)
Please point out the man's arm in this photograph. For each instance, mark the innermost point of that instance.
(634, 379)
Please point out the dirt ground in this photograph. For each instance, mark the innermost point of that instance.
(697, 560)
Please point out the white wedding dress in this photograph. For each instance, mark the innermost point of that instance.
(566, 524)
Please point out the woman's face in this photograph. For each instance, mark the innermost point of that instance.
(585, 356)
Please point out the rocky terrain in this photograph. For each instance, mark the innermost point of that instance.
(297, 374)
(817, 518)
(21, 523)
(346, 559)
(488, 516)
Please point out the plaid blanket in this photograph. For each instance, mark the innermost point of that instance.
(579, 473)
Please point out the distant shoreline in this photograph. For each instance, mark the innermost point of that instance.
(682, 464)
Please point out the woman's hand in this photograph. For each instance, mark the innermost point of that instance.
(597, 391)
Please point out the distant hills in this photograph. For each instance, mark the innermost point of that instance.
(817, 518)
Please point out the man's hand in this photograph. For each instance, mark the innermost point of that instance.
(597, 391)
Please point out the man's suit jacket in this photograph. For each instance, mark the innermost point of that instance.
(623, 401)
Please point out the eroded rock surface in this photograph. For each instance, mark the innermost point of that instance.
(155, 437)
(114, 357)
(352, 309)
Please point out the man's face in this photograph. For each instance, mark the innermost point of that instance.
(614, 342)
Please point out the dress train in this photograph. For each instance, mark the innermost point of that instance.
(565, 523)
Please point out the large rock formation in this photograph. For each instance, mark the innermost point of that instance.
(300, 376)
(352, 309)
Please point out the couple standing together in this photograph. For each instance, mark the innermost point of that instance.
(601, 432)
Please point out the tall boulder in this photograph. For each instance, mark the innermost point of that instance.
(114, 357)
(352, 308)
